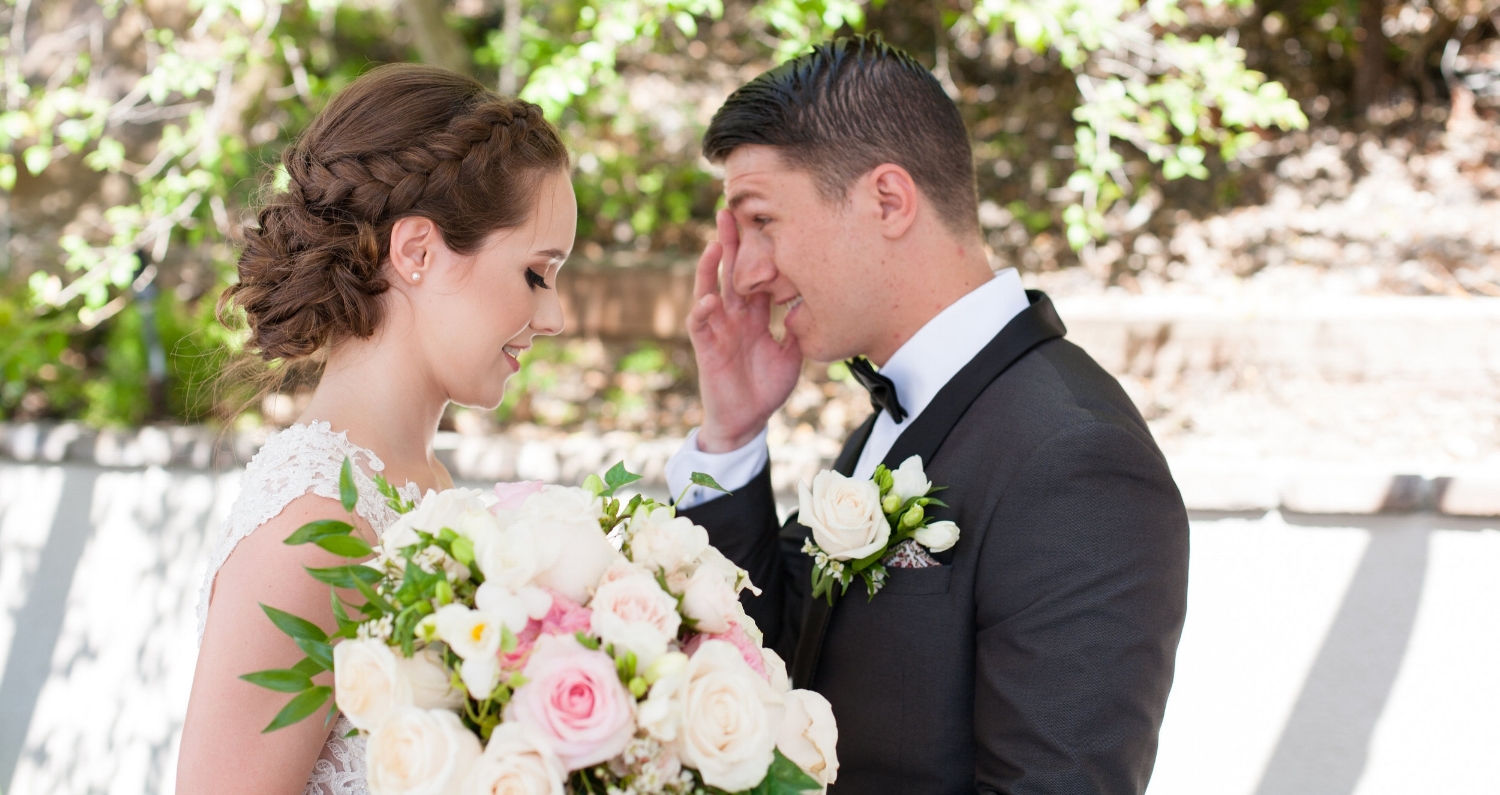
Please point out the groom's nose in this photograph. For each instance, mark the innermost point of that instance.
(754, 268)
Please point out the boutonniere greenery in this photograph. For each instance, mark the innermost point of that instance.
(856, 524)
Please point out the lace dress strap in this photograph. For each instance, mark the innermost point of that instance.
(296, 461)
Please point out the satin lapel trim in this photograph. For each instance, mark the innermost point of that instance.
(1035, 325)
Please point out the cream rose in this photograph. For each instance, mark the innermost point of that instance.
(515, 763)
(709, 598)
(809, 735)
(631, 611)
(938, 536)
(572, 550)
(431, 686)
(719, 715)
(420, 752)
(664, 542)
(438, 509)
(368, 684)
(844, 515)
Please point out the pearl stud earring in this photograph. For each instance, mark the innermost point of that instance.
(416, 276)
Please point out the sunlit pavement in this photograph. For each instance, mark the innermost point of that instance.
(1322, 655)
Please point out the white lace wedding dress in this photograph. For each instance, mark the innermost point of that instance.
(293, 462)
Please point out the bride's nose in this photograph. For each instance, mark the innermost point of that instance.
(548, 320)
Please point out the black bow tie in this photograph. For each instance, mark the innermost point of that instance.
(882, 391)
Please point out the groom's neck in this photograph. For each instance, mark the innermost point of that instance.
(927, 274)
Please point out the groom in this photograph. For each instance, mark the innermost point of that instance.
(1034, 656)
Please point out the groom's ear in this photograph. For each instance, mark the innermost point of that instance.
(895, 195)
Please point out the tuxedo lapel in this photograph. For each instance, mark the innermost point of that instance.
(1033, 326)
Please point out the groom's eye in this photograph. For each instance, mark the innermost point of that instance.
(761, 221)
(534, 280)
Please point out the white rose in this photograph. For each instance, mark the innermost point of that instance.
(909, 481)
(572, 550)
(511, 557)
(367, 682)
(431, 686)
(438, 509)
(478, 525)
(664, 542)
(419, 752)
(470, 633)
(809, 735)
(938, 536)
(515, 763)
(631, 611)
(709, 599)
(776, 670)
(844, 515)
(719, 715)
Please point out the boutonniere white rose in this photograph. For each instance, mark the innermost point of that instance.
(856, 523)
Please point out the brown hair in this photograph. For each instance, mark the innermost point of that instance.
(402, 140)
(844, 108)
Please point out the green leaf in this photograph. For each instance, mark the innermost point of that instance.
(348, 495)
(346, 546)
(323, 528)
(784, 778)
(298, 628)
(309, 667)
(707, 482)
(377, 601)
(344, 576)
(618, 476)
(317, 651)
(282, 680)
(300, 707)
(587, 641)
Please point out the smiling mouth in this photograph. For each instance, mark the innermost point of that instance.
(515, 351)
(793, 304)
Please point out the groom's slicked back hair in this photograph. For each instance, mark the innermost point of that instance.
(848, 106)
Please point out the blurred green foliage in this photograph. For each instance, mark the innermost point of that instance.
(135, 137)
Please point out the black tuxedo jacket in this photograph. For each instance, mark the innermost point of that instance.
(1038, 658)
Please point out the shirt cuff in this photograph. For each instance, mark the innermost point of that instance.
(732, 470)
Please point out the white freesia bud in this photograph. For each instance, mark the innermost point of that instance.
(515, 762)
(909, 481)
(470, 633)
(480, 674)
(420, 752)
(663, 542)
(431, 686)
(367, 683)
(709, 599)
(669, 664)
(844, 515)
(631, 611)
(938, 536)
(719, 715)
(509, 609)
(809, 735)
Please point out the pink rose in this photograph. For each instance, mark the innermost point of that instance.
(740, 639)
(565, 618)
(574, 701)
(512, 495)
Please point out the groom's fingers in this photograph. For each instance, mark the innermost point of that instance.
(729, 237)
(706, 281)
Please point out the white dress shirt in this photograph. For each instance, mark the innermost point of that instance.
(919, 369)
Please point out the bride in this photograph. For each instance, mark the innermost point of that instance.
(416, 246)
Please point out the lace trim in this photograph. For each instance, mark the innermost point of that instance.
(298, 460)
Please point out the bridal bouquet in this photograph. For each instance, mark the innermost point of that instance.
(546, 639)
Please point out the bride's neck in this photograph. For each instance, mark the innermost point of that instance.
(374, 395)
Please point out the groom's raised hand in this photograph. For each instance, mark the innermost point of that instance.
(744, 374)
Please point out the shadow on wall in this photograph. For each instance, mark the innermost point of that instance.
(1324, 747)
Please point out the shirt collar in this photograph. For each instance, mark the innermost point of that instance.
(924, 365)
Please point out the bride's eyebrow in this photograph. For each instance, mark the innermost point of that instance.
(552, 254)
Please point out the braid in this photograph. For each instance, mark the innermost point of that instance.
(312, 272)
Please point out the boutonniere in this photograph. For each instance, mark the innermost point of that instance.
(857, 523)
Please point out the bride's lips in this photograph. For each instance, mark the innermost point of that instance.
(513, 355)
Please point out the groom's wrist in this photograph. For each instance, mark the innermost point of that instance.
(715, 440)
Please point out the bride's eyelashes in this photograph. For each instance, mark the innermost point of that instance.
(535, 280)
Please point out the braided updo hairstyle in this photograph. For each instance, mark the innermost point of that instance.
(402, 140)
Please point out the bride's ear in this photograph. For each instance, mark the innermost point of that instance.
(414, 246)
